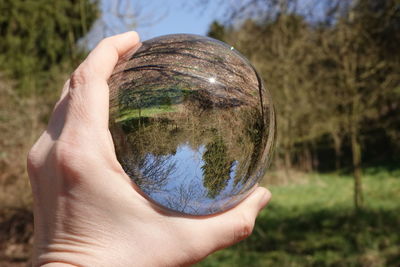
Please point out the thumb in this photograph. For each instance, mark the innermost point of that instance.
(234, 225)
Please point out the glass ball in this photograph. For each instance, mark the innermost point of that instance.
(192, 123)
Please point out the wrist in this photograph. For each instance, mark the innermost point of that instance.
(65, 252)
(62, 257)
(87, 255)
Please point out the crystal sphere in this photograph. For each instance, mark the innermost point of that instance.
(192, 123)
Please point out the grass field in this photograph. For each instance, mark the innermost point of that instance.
(145, 112)
(309, 222)
(313, 223)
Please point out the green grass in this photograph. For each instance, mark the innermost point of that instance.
(315, 224)
(145, 112)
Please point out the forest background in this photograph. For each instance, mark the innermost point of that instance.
(333, 68)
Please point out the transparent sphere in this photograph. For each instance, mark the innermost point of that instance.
(192, 124)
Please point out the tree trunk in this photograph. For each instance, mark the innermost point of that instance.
(337, 142)
(314, 156)
(288, 164)
(356, 151)
(307, 158)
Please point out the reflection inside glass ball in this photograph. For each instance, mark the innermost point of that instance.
(192, 124)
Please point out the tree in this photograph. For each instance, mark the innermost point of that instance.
(333, 74)
(36, 35)
(284, 52)
(216, 31)
(217, 167)
(355, 47)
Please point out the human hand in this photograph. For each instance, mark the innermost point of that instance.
(87, 212)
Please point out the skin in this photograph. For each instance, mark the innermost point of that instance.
(87, 212)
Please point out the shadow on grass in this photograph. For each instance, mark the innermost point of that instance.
(335, 237)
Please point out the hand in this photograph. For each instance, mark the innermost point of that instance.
(87, 212)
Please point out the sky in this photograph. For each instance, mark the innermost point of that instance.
(152, 18)
(176, 17)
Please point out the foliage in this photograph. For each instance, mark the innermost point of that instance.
(216, 31)
(37, 51)
(37, 35)
(217, 166)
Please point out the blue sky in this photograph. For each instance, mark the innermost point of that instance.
(177, 17)
(153, 18)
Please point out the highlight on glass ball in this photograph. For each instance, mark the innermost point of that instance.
(192, 123)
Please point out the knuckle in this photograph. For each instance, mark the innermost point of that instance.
(67, 157)
(79, 77)
(76, 98)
